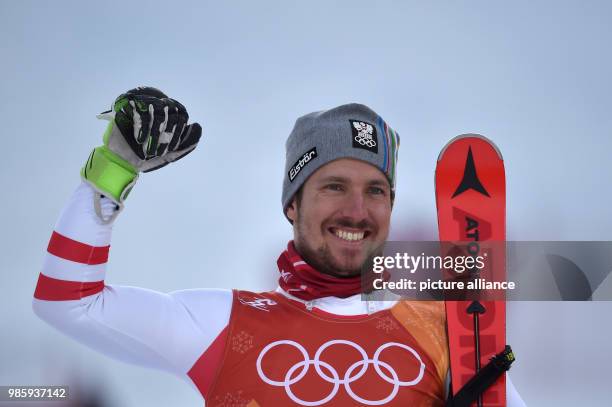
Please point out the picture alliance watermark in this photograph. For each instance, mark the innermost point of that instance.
(497, 270)
(478, 284)
(458, 265)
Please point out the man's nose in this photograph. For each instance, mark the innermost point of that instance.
(355, 206)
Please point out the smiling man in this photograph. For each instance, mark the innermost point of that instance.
(341, 216)
(314, 341)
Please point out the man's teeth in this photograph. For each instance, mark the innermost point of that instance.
(342, 234)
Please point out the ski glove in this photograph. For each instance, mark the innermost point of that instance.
(147, 131)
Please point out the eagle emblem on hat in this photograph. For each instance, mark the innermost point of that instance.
(365, 134)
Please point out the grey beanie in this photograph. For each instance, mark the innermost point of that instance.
(347, 131)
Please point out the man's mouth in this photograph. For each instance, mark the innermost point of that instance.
(349, 235)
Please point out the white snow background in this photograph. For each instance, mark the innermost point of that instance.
(533, 76)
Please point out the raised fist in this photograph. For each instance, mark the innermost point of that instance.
(147, 130)
(153, 126)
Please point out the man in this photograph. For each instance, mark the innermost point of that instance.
(311, 342)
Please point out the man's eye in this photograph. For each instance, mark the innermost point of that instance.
(377, 191)
(334, 187)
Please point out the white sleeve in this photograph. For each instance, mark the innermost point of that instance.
(135, 325)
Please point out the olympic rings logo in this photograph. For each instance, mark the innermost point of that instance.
(365, 140)
(330, 375)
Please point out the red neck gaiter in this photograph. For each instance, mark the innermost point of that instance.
(301, 280)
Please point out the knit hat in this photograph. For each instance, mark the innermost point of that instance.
(347, 131)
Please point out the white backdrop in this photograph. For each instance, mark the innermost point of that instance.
(532, 76)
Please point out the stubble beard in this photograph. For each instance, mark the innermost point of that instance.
(322, 260)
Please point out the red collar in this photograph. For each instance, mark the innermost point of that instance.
(303, 281)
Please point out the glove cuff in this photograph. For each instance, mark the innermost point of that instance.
(110, 174)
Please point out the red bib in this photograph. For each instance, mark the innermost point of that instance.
(279, 353)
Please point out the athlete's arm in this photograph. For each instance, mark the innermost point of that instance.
(136, 325)
(173, 332)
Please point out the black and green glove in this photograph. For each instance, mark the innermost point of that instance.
(147, 131)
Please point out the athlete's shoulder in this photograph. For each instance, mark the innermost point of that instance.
(206, 304)
(199, 294)
(425, 316)
(429, 310)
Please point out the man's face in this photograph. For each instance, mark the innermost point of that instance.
(342, 218)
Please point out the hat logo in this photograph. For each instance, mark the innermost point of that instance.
(301, 163)
(364, 136)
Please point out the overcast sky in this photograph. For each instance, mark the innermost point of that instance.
(532, 76)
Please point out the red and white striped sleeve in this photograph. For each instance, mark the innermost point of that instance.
(180, 332)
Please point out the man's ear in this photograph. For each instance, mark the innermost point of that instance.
(292, 211)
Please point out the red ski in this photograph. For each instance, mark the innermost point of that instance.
(471, 203)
